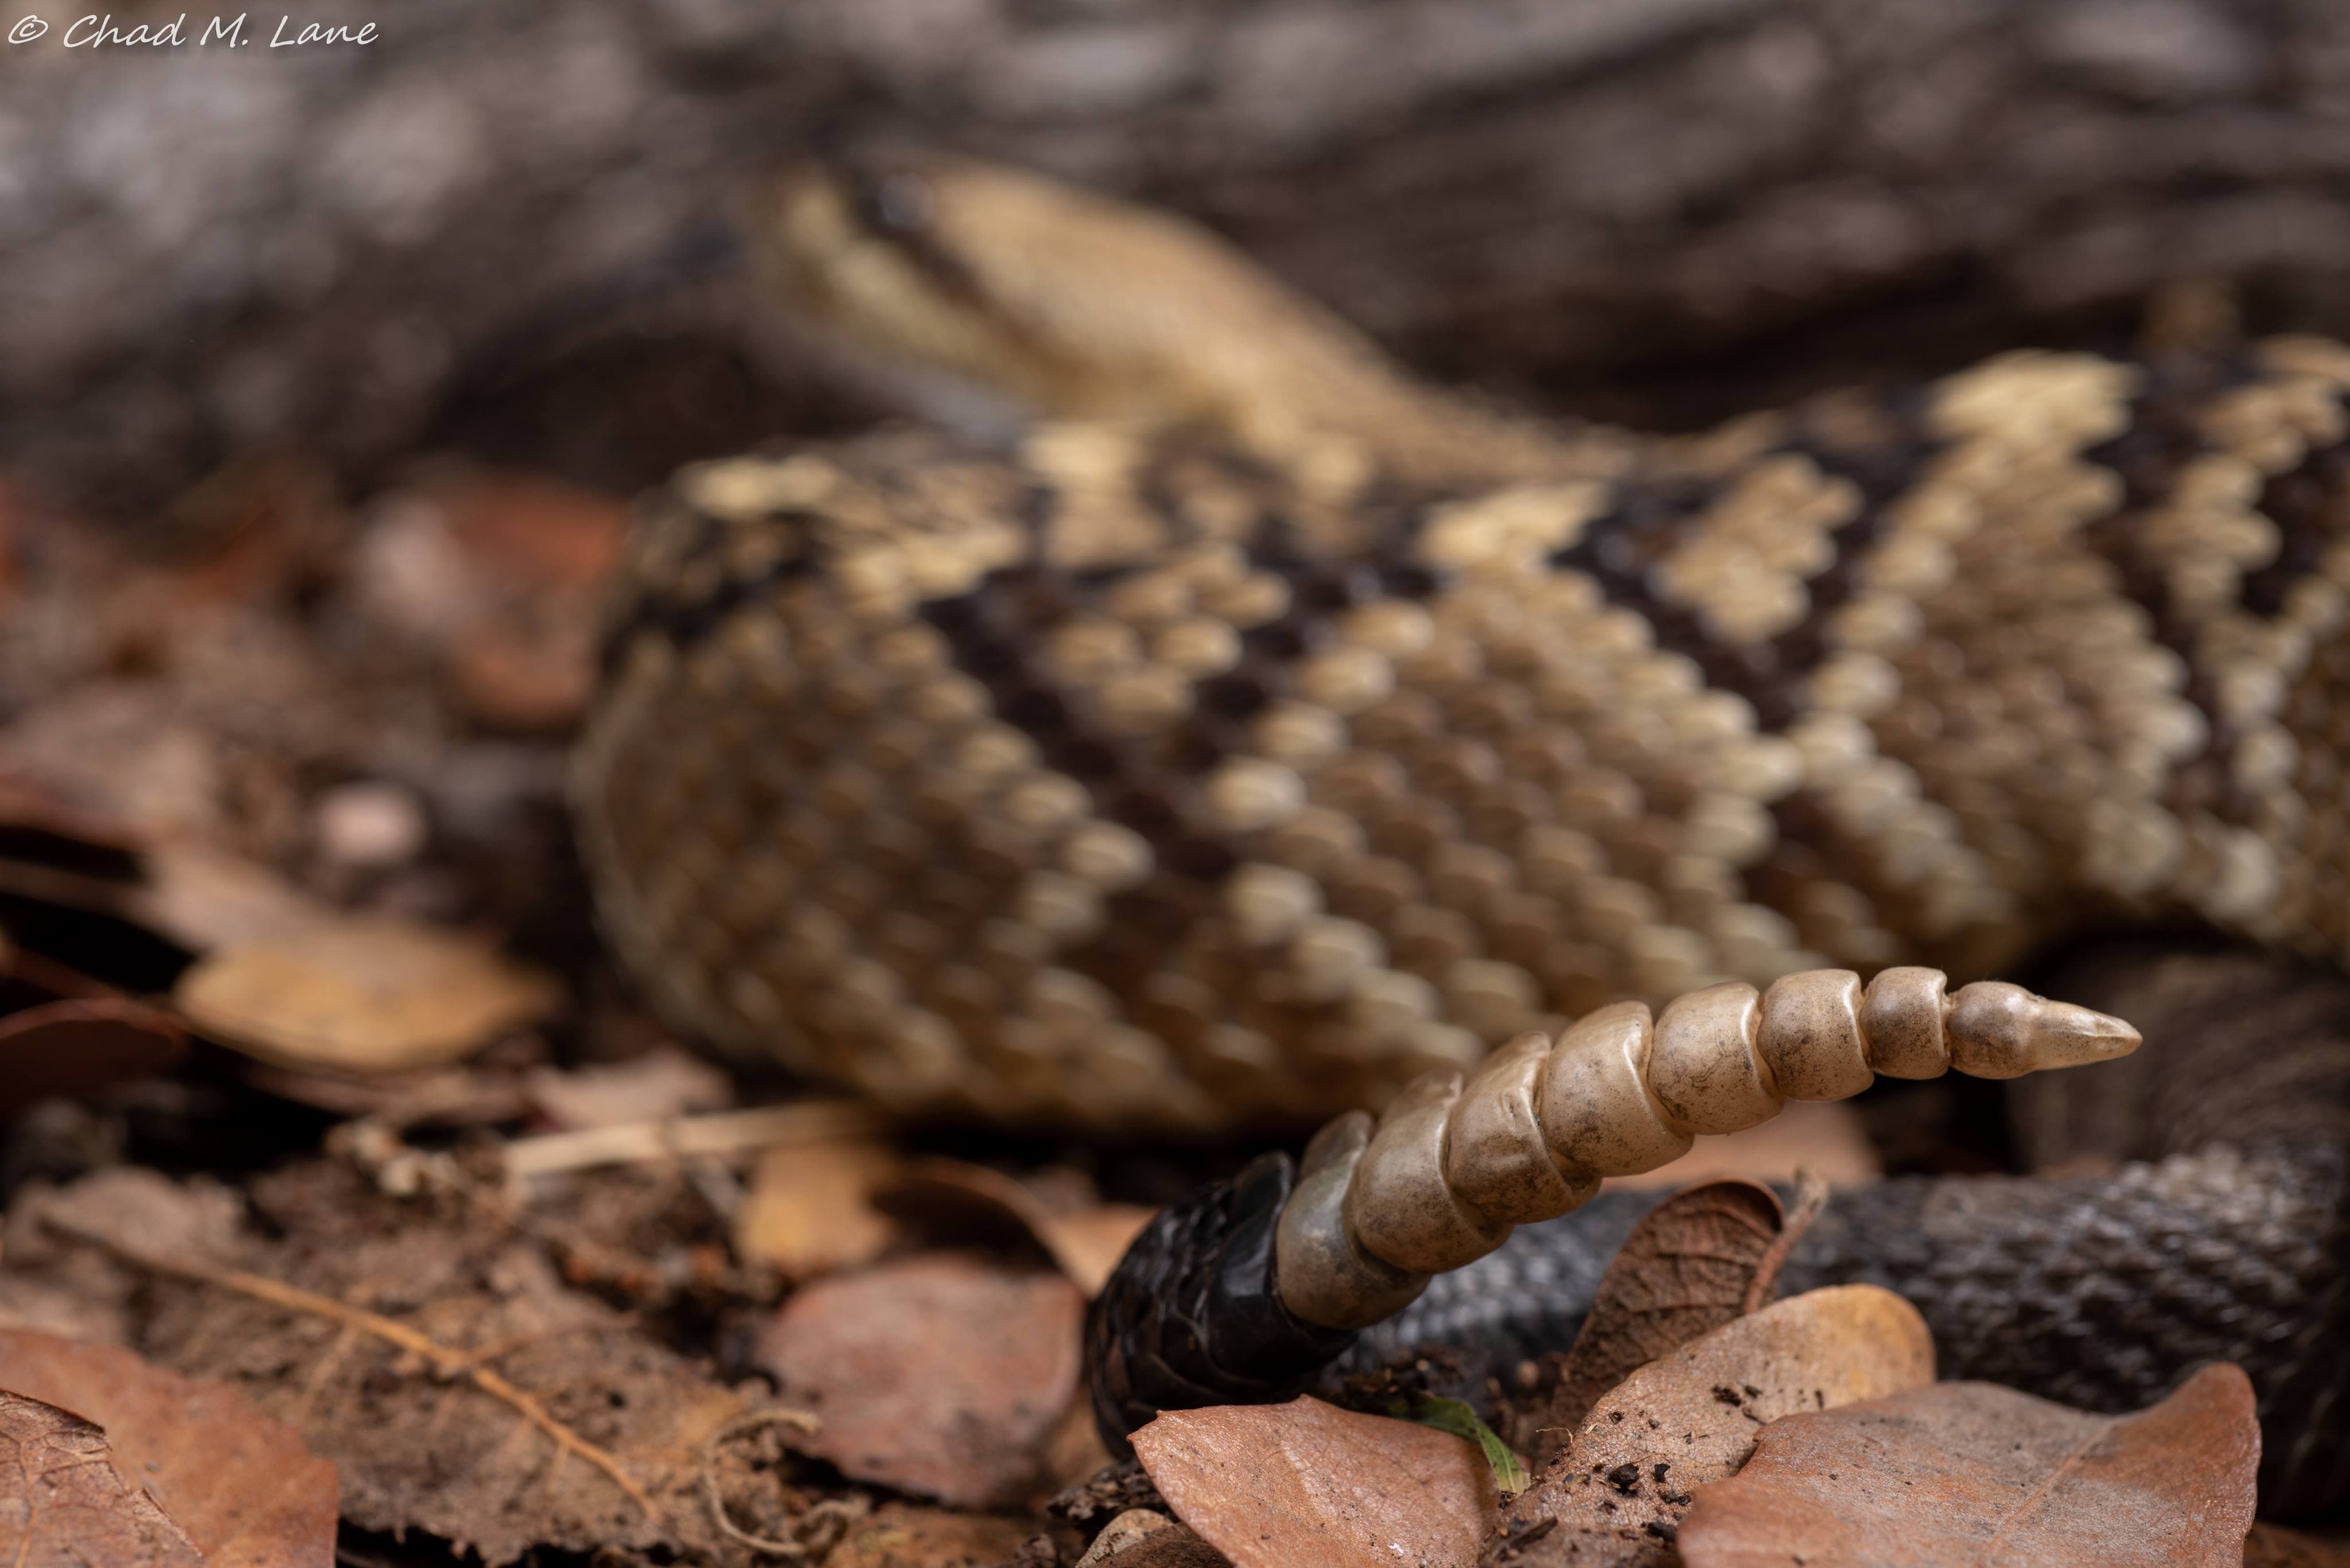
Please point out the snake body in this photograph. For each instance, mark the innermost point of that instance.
(1265, 734)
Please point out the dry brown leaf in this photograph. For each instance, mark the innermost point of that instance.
(936, 1375)
(531, 556)
(1086, 1240)
(63, 1504)
(533, 531)
(1140, 1538)
(1087, 1244)
(1963, 1474)
(903, 1535)
(1689, 1418)
(527, 676)
(245, 1489)
(1131, 1529)
(1825, 1136)
(1696, 1260)
(810, 1210)
(2274, 1546)
(78, 1046)
(283, 976)
(1307, 1485)
(360, 994)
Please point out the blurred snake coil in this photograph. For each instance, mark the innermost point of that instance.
(1219, 730)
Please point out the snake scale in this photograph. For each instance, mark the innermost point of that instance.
(1221, 729)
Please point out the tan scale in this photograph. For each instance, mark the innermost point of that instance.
(1500, 760)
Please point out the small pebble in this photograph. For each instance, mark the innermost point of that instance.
(368, 825)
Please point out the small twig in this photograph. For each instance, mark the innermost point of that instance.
(682, 1138)
(445, 1362)
(496, 1349)
(1811, 1197)
(832, 1511)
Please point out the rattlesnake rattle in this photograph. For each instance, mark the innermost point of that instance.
(1260, 734)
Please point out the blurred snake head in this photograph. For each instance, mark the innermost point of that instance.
(1070, 305)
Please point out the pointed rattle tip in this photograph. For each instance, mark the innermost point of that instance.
(2001, 1031)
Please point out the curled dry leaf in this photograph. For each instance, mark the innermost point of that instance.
(68, 1033)
(810, 1210)
(247, 1490)
(64, 1505)
(936, 1374)
(1307, 1485)
(360, 994)
(1086, 1240)
(1140, 1538)
(1697, 1259)
(1962, 1474)
(1689, 1418)
(78, 1046)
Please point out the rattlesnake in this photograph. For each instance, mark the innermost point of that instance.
(1263, 734)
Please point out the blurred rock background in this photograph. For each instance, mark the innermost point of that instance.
(496, 229)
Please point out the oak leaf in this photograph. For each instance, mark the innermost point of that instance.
(935, 1374)
(1964, 1474)
(1307, 1485)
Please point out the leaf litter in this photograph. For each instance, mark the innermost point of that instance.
(317, 801)
(458, 1386)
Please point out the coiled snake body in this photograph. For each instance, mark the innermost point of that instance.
(1266, 735)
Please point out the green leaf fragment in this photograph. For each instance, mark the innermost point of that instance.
(1457, 1417)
